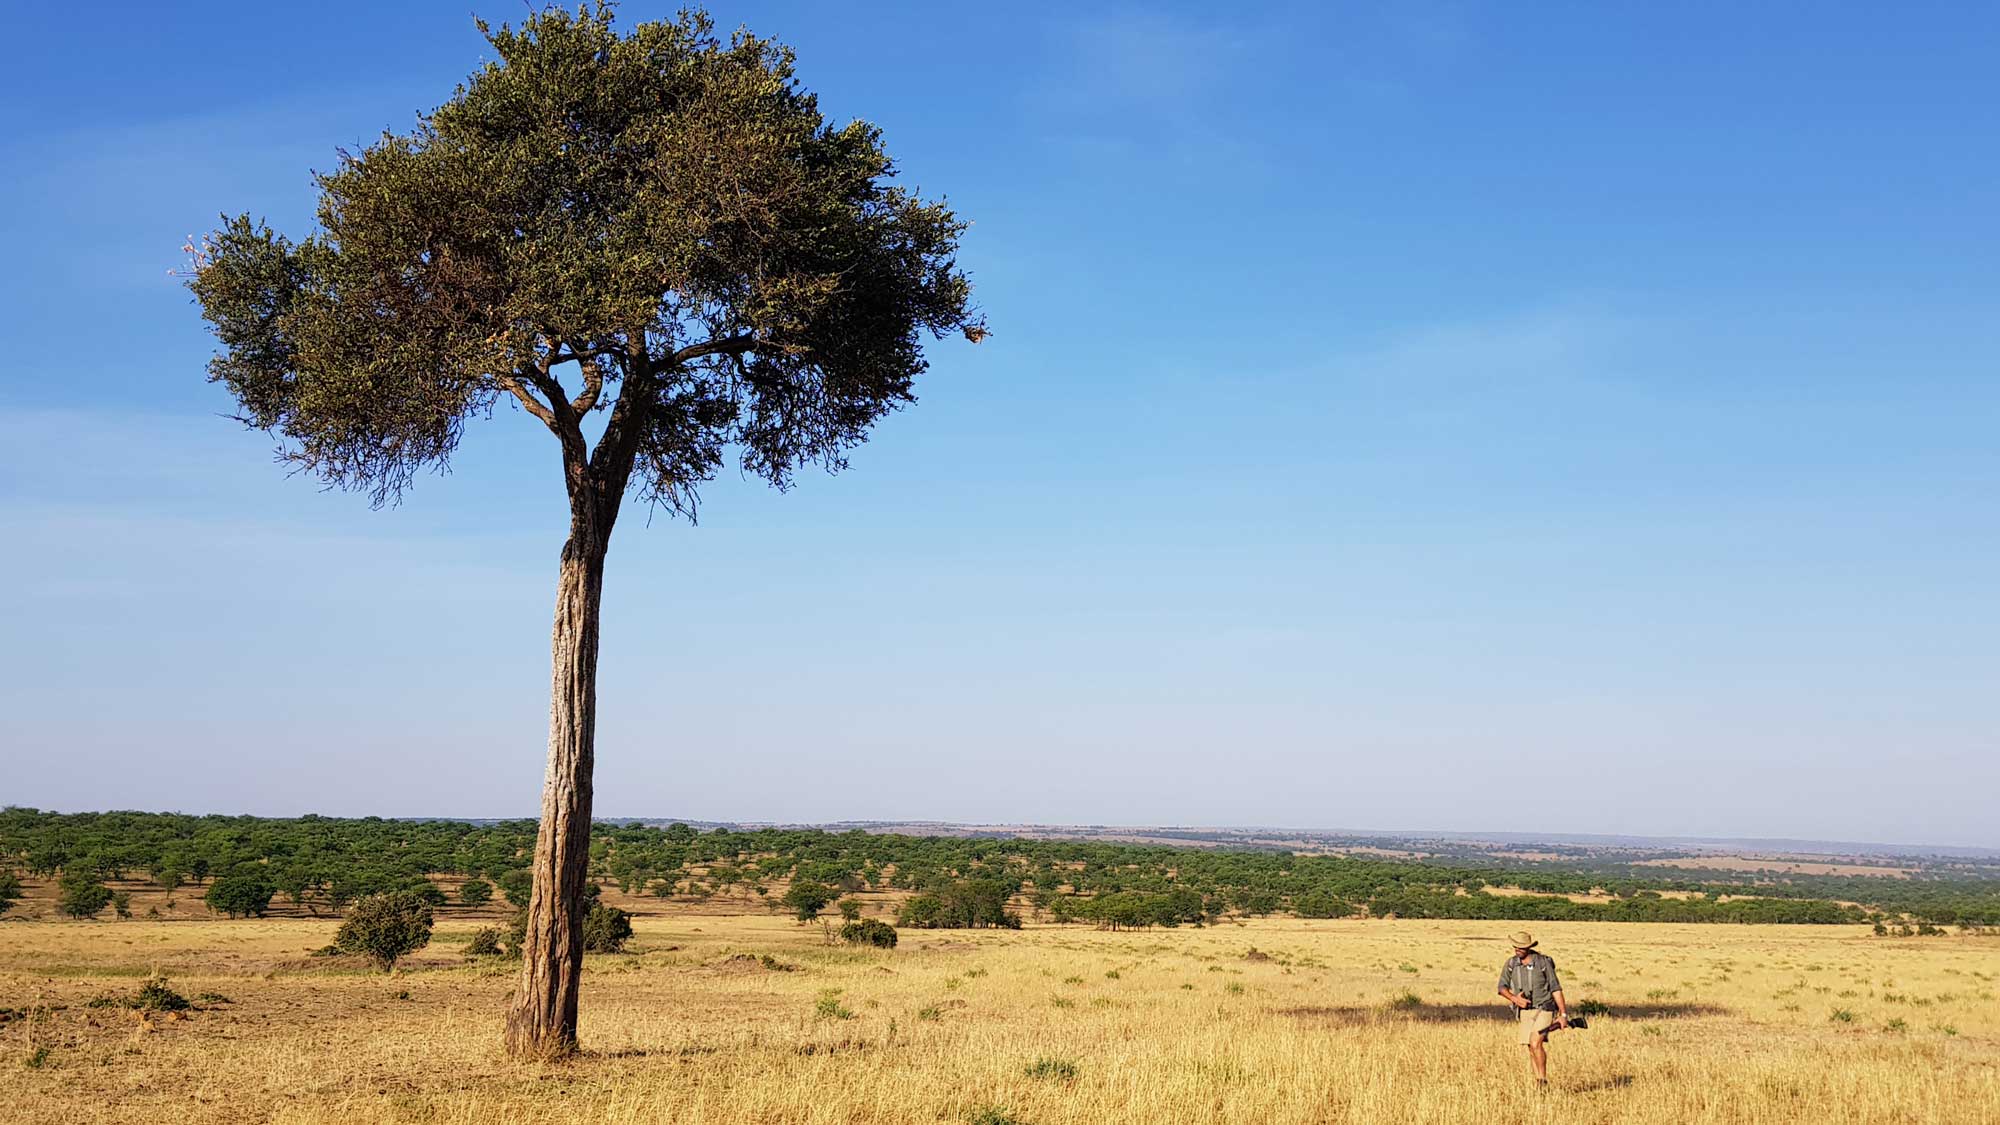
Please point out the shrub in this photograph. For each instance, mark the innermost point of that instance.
(83, 894)
(1060, 1070)
(121, 904)
(484, 943)
(871, 932)
(386, 927)
(606, 929)
(155, 996)
(10, 889)
(475, 892)
(828, 1006)
(427, 892)
(1406, 1001)
(1591, 1008)
(240, 895)
(850, 910)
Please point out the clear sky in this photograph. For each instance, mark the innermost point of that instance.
(1456, 416)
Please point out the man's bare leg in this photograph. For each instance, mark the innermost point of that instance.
(1538, 1056)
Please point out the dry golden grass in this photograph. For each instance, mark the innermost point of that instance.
(1712, 1024)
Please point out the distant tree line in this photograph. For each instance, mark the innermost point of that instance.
(322, 865)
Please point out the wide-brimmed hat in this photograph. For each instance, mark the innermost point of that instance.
(1522, 939)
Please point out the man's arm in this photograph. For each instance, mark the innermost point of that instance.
(1556, 991)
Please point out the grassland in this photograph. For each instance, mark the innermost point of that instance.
(1044, 1025)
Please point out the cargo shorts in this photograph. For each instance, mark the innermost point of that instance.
(1533, 1022)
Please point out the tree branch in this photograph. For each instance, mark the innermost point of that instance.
(733, 345)
(593, 386)
(532, 404)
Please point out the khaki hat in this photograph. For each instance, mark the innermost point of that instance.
(1522, 939)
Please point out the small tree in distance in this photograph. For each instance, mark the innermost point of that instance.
(805, 899)
(240, 895)
(84, 895)
(386, 927)
(475, 892)
(660, 227)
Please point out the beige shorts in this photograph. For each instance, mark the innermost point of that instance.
(1534, 1022)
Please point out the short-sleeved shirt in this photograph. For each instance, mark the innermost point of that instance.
(1533, 977)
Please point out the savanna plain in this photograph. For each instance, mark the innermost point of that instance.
(715, 1017)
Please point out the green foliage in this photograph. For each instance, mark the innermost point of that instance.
(1590, 1008)
(870, 932)
(475, 892)
(82, 893)
(517, 932)
(961, 904)
(850, 910)
(155, 996)
(345, 859)
(10, 889)
(518, 885)
(240, 895)
(806, 899)
(829, 1007)
(1405, 1001)
(665, 208)
(606, 929)
(485, 942)
(386, 927)
(1051, 1068)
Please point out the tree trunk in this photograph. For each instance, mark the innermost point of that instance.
(542, 1021)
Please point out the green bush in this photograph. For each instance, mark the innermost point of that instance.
(517, 885)
(606, 929)
(155, 996)
(850, 910)
(10, 889)
(386, 927)
(83, 894)
(475, 892)
(806, 899)
(244, 895)
(1052, 1069)
(484, 943)
(871, 932)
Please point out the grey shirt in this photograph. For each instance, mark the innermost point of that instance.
(1533, 978)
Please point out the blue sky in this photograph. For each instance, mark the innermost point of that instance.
(1446, 416)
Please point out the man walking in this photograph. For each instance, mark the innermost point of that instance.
(1528, 982)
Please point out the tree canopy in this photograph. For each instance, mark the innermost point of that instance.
(667, 212)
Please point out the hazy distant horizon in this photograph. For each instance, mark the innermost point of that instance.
(1829, 846)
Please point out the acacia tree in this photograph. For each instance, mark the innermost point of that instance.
(656, 227)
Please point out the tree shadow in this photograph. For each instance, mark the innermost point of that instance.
(1356, 1016)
